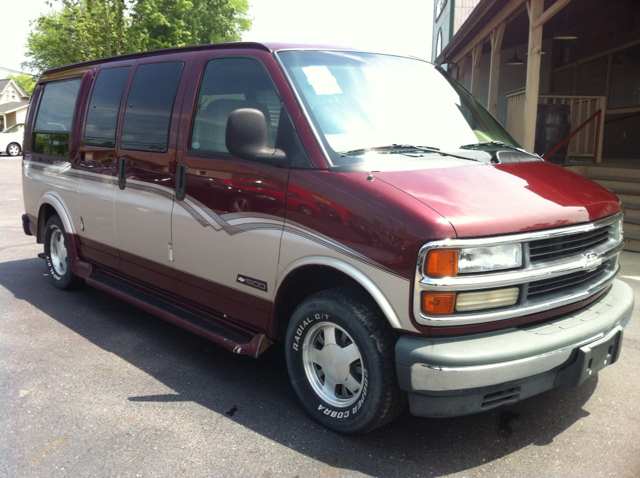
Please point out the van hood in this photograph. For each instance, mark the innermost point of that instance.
(486, 200)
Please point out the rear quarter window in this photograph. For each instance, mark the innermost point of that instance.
(52, 128)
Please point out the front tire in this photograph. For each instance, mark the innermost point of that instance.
(56, 251)
(14, 149)
(341, 361)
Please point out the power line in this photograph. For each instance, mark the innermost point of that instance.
(18, 72)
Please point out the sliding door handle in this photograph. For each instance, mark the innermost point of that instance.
(181, 179)
(122, 173)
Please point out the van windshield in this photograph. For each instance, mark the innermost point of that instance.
(363, 104)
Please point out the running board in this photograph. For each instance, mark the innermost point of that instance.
(185, 319)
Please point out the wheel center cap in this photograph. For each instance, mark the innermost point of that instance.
(335, 363)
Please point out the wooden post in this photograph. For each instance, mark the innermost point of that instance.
(602, 104)
(535, 9)
(494, 72)
(476, 53)
(462, 69)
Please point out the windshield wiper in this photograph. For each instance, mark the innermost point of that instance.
(403, 149)
(495, 143)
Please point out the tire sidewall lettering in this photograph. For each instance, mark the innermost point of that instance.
(333, 413)
(62, 281)
(362, 398)
(52, 270)
(53, 228)
(329, 411)
(357, 316)
(299, 334)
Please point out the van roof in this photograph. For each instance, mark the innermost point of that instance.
(267, 46)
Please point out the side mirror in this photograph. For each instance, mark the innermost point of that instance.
(246, 137)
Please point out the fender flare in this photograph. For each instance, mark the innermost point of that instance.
(360, 277)
(53, 199)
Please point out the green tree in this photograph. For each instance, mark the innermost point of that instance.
(167, 23)
(26, 82)
(88, 29)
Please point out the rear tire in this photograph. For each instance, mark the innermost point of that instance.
(56, 251)
(341, 361)
(14, 149)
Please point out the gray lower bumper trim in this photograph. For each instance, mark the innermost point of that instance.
(481, 360)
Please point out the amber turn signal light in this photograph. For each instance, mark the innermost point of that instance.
(442, 263)
(438, 303)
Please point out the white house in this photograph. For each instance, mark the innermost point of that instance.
(14, 102)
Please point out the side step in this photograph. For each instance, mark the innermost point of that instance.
(185, 319)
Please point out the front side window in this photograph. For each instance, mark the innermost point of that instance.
(229, 84)
(149, 106)
(104, 107)
(360, 100)
(53, 123)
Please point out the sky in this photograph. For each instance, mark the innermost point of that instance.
(397, 26)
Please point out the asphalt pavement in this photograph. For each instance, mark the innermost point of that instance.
(90, 386)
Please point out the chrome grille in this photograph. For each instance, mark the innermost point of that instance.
(562, 283)
(563, 246)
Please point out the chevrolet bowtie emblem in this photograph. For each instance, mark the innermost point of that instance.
(591, 261)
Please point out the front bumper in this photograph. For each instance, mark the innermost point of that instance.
(469, 374)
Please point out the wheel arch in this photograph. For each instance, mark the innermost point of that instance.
(313, 274)
(13, 142)
(51, 203)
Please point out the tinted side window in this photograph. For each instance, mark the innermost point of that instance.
(53, 123)
(227, 85)
(105, 107)
(149, 106)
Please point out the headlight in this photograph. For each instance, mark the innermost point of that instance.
(494, 258)
(451, 262)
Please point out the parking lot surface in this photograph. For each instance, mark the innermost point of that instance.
(91, 386)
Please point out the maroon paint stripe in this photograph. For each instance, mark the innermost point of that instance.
(99, 257)
(99, 246)
(181, 302)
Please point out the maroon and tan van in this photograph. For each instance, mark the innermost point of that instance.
(363, 209)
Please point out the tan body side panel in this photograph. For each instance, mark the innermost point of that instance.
(42, 181)
(220, 249)
(96, 194)
(143, 220)
(391, 292)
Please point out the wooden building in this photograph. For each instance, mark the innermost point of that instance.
(546, 68)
